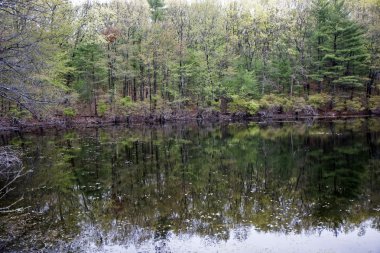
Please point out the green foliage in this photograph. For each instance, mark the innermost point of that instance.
(355, 105)
(341, 55)
(71, 136)
(241, 82)
(276, 103)
(320, 101)
(374, 103)
(298, 103)
(239, 104)
(19, 113)
(156, 8)
(340, 105)
(268, 101)
(283, 104)
(59, 70)
(281, 71)
(126, 102)
(126, 106)
(89, 62)
(102, 108)
(343, 104)
(189, 55)
(69, 112)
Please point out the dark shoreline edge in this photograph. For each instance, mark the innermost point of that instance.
(7, 125)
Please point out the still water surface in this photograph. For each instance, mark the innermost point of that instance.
(280, 187)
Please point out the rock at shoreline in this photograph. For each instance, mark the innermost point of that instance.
(10, 163)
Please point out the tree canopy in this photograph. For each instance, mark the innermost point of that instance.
(125, 56)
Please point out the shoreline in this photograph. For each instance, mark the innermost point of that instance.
(26, 125)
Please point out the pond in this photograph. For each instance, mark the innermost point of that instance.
(197, 187)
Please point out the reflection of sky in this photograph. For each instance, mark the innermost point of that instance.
(255, 242)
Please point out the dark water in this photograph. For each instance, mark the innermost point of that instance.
(289, 187)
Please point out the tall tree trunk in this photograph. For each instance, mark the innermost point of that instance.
(291, 86)
(319, 57)
(94, 87)
(371, 76)
(109, 67)
(209, 74)
(141, 82)
(155, 67)
(182, 79)
(2, 107)
(134, 97)
(125, 87)
(150, 89)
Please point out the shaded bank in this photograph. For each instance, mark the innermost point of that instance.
(13, 124)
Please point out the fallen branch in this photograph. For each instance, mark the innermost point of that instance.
(11, 169)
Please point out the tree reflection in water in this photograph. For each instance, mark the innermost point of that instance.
(127, 186)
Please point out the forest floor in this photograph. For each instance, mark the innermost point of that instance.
(208, 115)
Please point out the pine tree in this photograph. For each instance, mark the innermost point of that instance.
(341, 56)
(320, 13)
(157, 9)
(90, 65)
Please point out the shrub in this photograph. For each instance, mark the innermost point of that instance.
(320, 101)
(354, 105)
(339, 105)
(252, 107)
(276, 103)
(126, 101)
(126, 106)
(102, 108)
(298, 103)
(214, 104)
(19, 114)
(374, 103)
(239, 104)
(69, 112)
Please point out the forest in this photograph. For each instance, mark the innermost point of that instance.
(166, 58)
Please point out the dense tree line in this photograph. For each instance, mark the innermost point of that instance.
(125, 56)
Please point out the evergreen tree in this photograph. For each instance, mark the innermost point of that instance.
(157, 9)
(320, 13)
(341, 54)
(89, 62)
